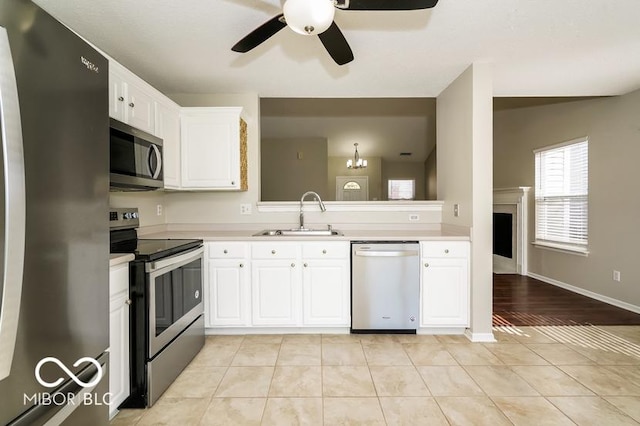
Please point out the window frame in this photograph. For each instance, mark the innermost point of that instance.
(578, 248)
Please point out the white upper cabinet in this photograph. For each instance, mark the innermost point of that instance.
(131, 99)
(213, 149)
(168, 129)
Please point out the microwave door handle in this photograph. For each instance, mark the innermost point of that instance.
(153, 149)
(12, 207)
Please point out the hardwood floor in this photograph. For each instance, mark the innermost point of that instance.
(524, 301)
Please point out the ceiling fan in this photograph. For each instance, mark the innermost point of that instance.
(315, 17)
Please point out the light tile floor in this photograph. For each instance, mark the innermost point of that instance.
(559, 375)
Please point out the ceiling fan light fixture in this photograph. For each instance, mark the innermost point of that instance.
(309, 17)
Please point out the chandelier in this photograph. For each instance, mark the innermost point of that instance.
(359, 163)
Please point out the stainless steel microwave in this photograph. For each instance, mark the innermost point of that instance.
(135, 159)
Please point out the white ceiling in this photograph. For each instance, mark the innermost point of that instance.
(537, 48)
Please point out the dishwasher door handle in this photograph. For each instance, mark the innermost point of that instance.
(387, 253)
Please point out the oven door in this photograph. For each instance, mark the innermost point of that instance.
(175, 296)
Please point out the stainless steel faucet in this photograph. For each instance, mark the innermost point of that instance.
(322, 207)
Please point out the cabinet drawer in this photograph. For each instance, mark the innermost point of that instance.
(444, 248)
(275, 250)
(325, 250)
(227, 250)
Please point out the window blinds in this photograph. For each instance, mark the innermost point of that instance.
(401, 189)
(561, 195)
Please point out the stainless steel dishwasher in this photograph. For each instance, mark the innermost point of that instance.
(385, 286)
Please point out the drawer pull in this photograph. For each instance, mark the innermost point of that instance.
(242, 265)
(446, 251)
(132, 104)
(426, 265)
(305, 265)
(225, 251)
(324, 252)
(128, 301)
(293, 265)
(273, 252)
(121, 99)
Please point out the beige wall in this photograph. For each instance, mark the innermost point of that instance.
(290, 167)
(431, 176)
(403, 170)
(147, 203)
(613, 129)
(464, 162)
(338, 167)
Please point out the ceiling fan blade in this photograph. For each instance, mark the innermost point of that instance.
(260, 34)
(337, 46)
(385, 4)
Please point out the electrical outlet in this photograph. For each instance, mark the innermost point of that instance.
(456, 210)
(245, 208)
(159, 209)
(616, 275)
(413, 217)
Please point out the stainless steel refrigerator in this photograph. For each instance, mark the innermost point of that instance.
(53, 222)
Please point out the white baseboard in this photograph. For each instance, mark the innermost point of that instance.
(274, 330)
(479, 337)
(591, 294)
(440, 330)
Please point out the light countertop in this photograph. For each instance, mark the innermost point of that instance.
(350, 235)
(117, 259)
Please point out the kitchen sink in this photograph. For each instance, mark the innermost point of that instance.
(298, 232)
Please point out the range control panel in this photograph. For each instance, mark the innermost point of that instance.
(124, 218)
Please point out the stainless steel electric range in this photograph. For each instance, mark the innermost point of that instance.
(167, 323)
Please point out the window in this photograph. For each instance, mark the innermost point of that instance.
(561, 195)
(402, 189)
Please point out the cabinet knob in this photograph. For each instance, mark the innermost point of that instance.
(305, 265)
(128, 301)
(225, 251)
(426, 265)
(273, 252)
(293, 265)
(446, 251)
(131, 104)
(121, 98)
(233, 182)
(324, 252)
(242, 265)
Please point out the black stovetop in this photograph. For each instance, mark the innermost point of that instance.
(149, 249)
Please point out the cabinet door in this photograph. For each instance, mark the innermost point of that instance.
(118, 336)
(445, 292)
(140, 107)
(167, 125)
(275, 293)
(325, 288)
(210, 151)
(117, 95)
(227, 293)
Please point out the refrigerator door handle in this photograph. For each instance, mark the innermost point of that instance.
(12, 207)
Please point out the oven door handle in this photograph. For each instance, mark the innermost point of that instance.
(175, 260)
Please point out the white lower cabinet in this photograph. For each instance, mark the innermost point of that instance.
(445, 284)
(326, 284)
(227, 291)
(118, 336)
(275, 292)
(280, 284)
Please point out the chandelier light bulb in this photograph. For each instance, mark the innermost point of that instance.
(309, 17)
